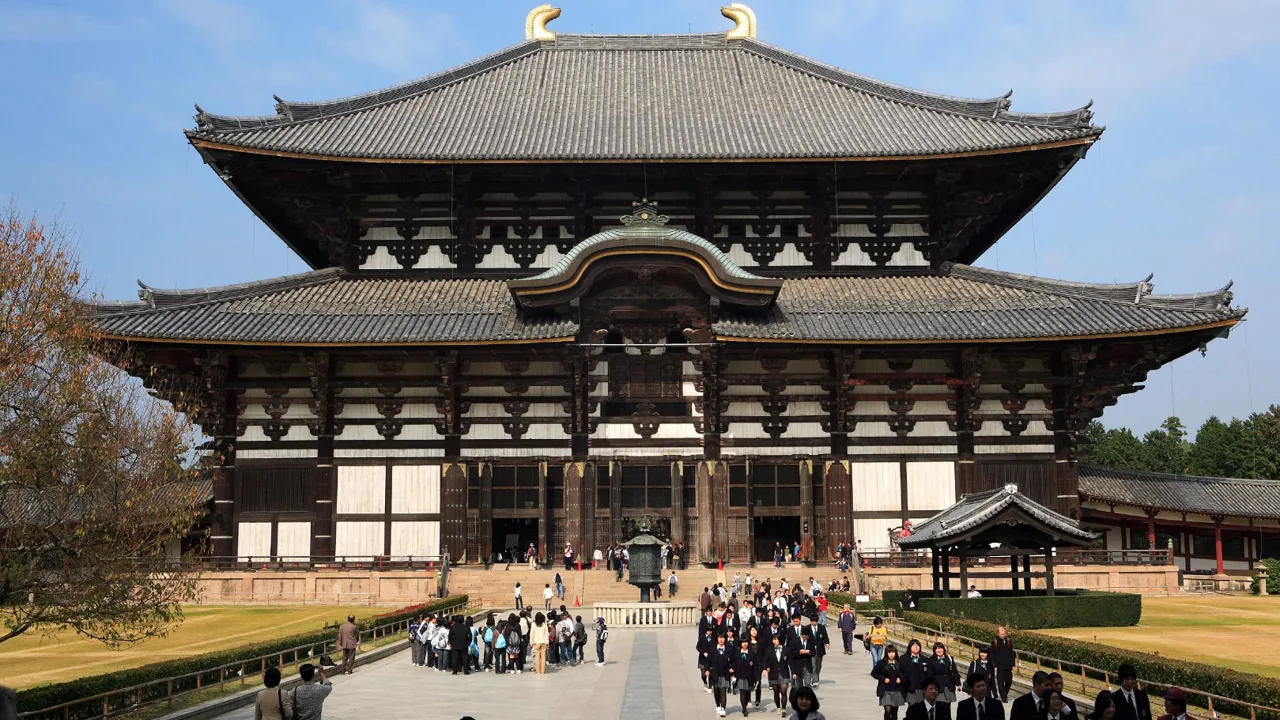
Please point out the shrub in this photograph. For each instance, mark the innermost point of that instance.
(44, 696)
(1151, 668)
(1273, 577)
(1034, 612)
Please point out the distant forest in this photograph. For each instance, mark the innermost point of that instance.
(1248, 448)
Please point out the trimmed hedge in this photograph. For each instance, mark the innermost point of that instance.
(1151, 668)
(43, 696)
(1033, 613)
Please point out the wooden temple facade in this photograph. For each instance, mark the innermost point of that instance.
(592, 277)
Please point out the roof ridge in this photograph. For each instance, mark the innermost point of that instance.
(1132, 294)
(1203, 479)
(994, 109)
(295, 113)
(158, 299)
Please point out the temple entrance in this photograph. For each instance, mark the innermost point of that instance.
(511, 537)
(770, 529)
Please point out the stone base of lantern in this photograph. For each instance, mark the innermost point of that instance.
(654, 614)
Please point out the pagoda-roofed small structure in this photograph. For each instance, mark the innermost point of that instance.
(996, 523)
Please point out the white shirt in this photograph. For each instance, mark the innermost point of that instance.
(517, 591)
(546, 593)
(974, 594)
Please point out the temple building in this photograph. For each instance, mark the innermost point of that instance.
(590, 278)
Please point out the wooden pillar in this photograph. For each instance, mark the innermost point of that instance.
(223, 529)
(453, 511)
(1048, 571)
(1217, 545)
(713, 510)
(937, 572)
(1066, 491)
(615, 502)
(807, 518)
(320, 369)
(1013, 572)
(486, 510)
(545, 518)
(677, 503)
(970, 370)
(1151, 530)
(964, 571)
(1026, 578)
(838, 491)
(579, 508)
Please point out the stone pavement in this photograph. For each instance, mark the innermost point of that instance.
(649, 675)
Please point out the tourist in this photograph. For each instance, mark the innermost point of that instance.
(805, 705)
(745, 672)
(564, 634)
(500, 648)
(459, 646)
(547, 595)
(706, 645)
(980, 705)
(720, 673)
(891, 688)
(519, 599)
(802, 659)
(1056, 707)
(538, 636)
(348, 641)
(617, 564)
(823, 604)
(847, 623)
(982, 665)
(440, 643)
(515, 645)
(777, 555)
(308, 697)
(929, 707)
(1056, 681)
(943, 668)
(1030, 706)
(877, 639)
(778, 666)
(1104, 706)
(704, 600)
(273, 703)
(797, 554)
(559, 583)
(579, 639)
(915, 664)
(821, 644)
(602, 636)
(1132, 702)
(416, 648)
(568, 560)
(1004, 658)
(531, 555)
(737, 583)
(973, 592)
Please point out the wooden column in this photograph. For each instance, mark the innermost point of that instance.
(1026, 569)
(579, 513)
(838, 491)
(1048, 571)
(453, 511)
(1066, 466)
(1013, 572)
(965, 388)
(713, 509)
(615, 503)
(964, 572)
(677, 503)
(1151, 530)
(486, 510)
(1217, 545)
(807, 518)
(321, 372)
(545, 518)
(935, 553)
(223, 527)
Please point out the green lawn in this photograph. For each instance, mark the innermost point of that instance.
(1232, 631)
(35, 659)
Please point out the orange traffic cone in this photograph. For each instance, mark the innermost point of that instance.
(577, 602)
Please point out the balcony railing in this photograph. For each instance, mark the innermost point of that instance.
(923, 559)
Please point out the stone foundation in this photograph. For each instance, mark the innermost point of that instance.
(656, 614)
(336, 587)
(1141, 579)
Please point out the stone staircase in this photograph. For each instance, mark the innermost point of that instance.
(494, 588)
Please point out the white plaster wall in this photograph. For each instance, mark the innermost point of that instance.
(361, 489)
(358, 540)
(293, 539)
(415, 489)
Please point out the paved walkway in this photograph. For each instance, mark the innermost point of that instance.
(649, 675)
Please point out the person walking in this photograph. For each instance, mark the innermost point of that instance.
(877, 639)
(891, 685)
(538, 636)
(821, 645)
(745, 673)
(602, 637)
(308, 697)
(981, 704)
(348, 641)
(519, 598)
(531, 555)
(579, 640)
(915, 665)
(981, 666)
(1003, 658)
(943, 668)
(272, 703)
(559, 582)
(778, 668)
(802, 660)
(929, 707)
(459, 646)
(546, 596)
(672, 584)
(1031, 706)
(1104, 706)
(720, 673)
(847, 623)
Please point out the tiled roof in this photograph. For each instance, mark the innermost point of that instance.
(961, 302)
(958, 303)
(613, 97)
(973, 511)
(22, 505)
(327, 306)
(1184, 493)
(646, 235)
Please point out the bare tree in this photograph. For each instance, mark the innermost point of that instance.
(96, 478)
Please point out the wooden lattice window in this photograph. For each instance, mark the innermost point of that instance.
(646, 377)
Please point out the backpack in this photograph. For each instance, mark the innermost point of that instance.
(604, 635)
(513, 639)
(488, 636)
(563, 633)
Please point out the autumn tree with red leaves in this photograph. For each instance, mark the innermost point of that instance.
(96, 477)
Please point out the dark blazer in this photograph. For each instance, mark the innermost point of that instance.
(790, 635)
(1125, 712)
(820, 640)
(1075, 714)
(917, 671)
(1001, 654)
(744, 667)
(705, 646)
(721, 663)
(944, 671)
(802, 662)
(459, 637)
(778, 668)
(705, 622)
(917, 711)
(992, 708)
(892, 677)
(1024, 708)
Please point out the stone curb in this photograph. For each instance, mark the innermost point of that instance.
(240, 699)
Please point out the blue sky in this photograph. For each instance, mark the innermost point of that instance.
(1183, 184)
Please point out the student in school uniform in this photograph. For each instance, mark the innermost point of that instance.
(778, 669)
(982, 704)
(1055, 707)
(930, 706)
(916, 666)
(943, 668)
(759, 648)
(802, 659)
(1031, 705)
(721, 673)
(1132, 702)
(982, 666)
(706, 644)
(821, 643)
(745, 673)
(892, 683)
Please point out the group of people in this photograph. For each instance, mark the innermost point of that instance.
(501, 646)
(791, 552)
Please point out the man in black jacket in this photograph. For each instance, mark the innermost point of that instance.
(1031, 706)
(929, 708)
(459, 643)
(821, 644)
(1131, 703)
(1003, 658)
(979, 705)
(1056, 682)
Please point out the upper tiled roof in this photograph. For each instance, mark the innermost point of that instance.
(671, 97)
(1183, 493)
(327, 306)
(21, 505)
(973, 511)
(961, 302)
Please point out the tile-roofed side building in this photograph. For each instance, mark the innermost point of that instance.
(977, 510)
(615, 97)
(1214, 524)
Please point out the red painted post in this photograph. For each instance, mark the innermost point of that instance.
(1151, 530)
(1217, 546)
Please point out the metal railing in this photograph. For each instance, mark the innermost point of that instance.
(250, 563)
(922, 558)
(1091, 679)
(131, 700)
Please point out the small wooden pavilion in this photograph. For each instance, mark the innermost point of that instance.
(1000, 523)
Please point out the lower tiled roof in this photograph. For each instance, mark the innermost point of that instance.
(1182, 493)
(976, 510)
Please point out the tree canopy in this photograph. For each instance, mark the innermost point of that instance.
(1248, 448)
